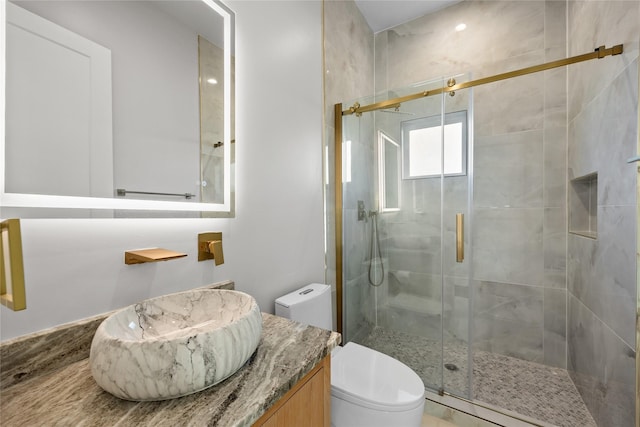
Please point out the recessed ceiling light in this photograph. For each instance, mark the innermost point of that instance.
(461, 27)
(212, 81)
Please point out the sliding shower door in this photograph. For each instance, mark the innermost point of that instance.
(406, 190)
(457, 231)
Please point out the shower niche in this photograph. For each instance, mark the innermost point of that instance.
(583, 206)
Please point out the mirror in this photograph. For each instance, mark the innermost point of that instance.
(122, 105)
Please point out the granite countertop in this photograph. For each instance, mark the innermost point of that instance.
(68, 395)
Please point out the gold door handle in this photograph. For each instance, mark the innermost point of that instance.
(459, 237)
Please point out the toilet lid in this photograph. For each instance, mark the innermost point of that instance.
(369, 378)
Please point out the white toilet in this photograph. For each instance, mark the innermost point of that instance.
(368, 388)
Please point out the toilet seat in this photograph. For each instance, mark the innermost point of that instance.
(368, 378)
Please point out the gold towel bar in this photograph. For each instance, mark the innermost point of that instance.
(11, 266)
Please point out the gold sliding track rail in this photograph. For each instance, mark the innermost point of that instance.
(598, 53)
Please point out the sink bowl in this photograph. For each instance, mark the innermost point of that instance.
(175, 345)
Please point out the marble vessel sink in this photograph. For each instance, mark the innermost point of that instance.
(174, 345)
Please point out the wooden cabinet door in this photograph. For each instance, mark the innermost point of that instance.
(307, 404)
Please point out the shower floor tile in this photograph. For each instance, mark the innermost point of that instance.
(531, 389)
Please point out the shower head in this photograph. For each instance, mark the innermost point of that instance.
(396, 110)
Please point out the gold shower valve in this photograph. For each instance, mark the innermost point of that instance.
(210, 247)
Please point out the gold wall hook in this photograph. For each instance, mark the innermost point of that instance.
(210, 247)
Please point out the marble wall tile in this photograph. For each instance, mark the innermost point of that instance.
(509, 320)
(509, 170)
(601, 272)
(483, 116)
(381, 75)
(519, 31)
(500, 108)
(349, 74)
(522, 30)
(555, 29)
(444, 52)
(508, 246)
(555, 98)
(592, 24)
(421, 199)
(356, 243)
(600, 365)
(348, 53)
(424, 285)
(359, 308)
(555, 167)
(616, 110)
(416, 261)
(555, 327)
(602, 113)
(555, 247)
(356, 234)
(603, 136)
(411, 322)
(457, 300)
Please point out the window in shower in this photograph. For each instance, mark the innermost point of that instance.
(422, 150)
(389, 166)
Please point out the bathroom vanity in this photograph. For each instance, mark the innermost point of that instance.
(46, 380)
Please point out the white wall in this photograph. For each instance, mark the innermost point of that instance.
(74, 268)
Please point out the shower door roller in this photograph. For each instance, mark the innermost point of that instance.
(459, 237)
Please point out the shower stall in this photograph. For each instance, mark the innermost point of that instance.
(400, 287)
(461, 223)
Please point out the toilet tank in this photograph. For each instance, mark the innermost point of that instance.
(310, 304)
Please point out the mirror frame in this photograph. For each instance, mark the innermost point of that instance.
(19, 200)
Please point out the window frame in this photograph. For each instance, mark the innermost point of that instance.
(429, 122)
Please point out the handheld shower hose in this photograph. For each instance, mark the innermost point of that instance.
(375, 254)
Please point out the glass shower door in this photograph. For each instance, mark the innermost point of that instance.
(457, 260)
(358, 200)
(405, 180)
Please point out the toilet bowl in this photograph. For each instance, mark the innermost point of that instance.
(368, 388)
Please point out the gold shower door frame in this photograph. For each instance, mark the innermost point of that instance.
(638, 270)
